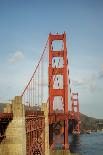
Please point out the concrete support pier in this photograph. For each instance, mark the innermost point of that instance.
(15, 141)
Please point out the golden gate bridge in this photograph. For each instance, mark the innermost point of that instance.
(49, 83)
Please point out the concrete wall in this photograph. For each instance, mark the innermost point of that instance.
(8, 108)
(15, 141)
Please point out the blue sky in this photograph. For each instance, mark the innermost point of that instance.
(24, 28)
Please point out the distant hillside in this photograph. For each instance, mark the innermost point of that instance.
(90, 123)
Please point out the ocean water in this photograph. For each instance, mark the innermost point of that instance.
(87, 144)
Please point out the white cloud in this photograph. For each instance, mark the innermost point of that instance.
(17, 56)
(89, 83)
(80, 82)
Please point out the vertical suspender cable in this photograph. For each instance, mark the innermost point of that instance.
(38, 85)
(33, 90)
(29, 96)
(42, 81)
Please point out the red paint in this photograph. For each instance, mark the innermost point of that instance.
(75, 112)
(58, 92)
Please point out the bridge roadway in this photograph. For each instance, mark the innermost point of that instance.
(53, 118)
(5, 118)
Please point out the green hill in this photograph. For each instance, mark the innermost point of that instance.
(90, 123)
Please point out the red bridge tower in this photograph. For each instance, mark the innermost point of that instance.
(75, 112)
(58, 92)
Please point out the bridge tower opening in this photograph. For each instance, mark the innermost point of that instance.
(56, 71)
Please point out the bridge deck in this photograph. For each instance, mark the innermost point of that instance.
(54, 117)
(6, 116)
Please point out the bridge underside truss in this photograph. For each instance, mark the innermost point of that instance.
(35, 134)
